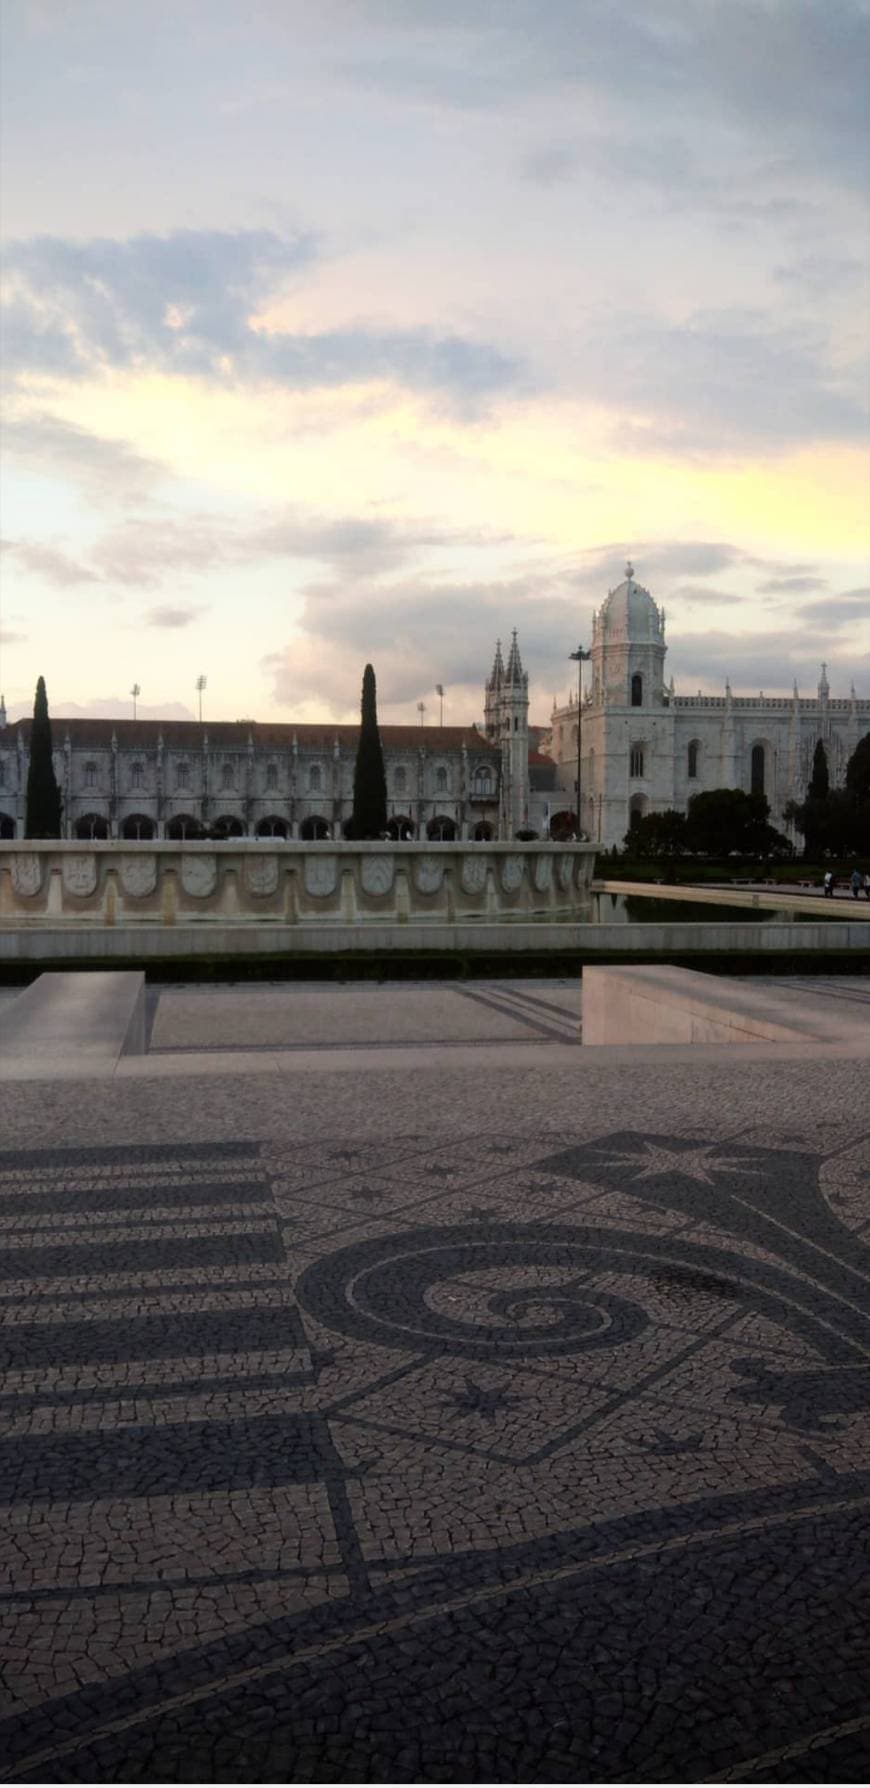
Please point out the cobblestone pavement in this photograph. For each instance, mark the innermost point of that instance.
(438, 1428)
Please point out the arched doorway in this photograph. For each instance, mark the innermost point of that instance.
(483, 832)
(637, 807)
(184, 825)
(7, 826)
(227, 826)
(272, 827)
(401, 828)
(92, 825)
(314, 827)
(441, 829)
(756, 774)
(138, 825)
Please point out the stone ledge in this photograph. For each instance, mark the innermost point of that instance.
(662, 1004)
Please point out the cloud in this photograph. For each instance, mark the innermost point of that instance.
(762, 661)
(148, 550)
(9, 637)
(719, 381)
(50, 563)
(773, 586)
(187, 304)
(842, 610)
(710, 63)
(106, 468)
(166, 616)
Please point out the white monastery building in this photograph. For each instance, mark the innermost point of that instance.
(643, 749)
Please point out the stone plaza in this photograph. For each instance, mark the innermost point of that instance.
(396, 1390)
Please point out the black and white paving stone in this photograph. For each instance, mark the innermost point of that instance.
(510, 1429)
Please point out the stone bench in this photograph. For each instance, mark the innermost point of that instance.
(658, 1004)
(86, 1021)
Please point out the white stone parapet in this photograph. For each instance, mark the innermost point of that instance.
(51, 882)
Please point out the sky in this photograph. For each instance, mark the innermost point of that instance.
(372, 329)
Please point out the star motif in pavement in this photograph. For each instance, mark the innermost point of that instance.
(475, 1399)
(700, 1163)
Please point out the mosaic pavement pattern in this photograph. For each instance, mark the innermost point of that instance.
(543, 1459)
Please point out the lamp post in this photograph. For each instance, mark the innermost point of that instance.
(579, 657)
(200, 685)
(134, 692)
(439, 691)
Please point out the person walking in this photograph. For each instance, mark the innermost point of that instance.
(856, 883)
(828, 884)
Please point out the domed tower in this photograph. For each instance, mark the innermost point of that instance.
(628, 647)
(630, 729)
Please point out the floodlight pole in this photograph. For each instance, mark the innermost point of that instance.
(134, 692)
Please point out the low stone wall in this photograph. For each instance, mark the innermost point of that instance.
(662, 1004)
(268, 882)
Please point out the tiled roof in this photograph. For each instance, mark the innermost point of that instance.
(189, 735)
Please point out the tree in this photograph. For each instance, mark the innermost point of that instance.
(820, 781)
(657, 836)
(43, 794)
(858, 773)
(369, 777)
(724, 822)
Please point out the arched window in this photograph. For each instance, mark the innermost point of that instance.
(694, 749)
(271, 775)
(135, 775)
(482, 785)
(637, 690)
(227, 777)
(441, 779)
(90, 775)
(757, 770)
(635, 760)
(400, 781)
(315, 779)
(182, 774)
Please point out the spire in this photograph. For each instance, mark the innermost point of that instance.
(514, 672)
(824, 686)
(2, 710)
(497, 674)
(629, 570)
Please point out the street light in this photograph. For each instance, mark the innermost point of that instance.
(421, 710)
(200, 686)
(134, 692)
(439, 691)
(579, 657)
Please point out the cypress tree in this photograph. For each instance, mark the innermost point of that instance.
(819, 781)
(369, 777)
(43, 794)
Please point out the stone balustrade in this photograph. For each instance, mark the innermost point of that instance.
(119, 883)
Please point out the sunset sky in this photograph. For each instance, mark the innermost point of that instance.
(371, 330)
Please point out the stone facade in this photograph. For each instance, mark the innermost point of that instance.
(161, 779)
(644, 748)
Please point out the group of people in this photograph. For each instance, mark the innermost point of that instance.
(857, 881)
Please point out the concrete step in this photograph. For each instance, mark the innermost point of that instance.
(87, 1020)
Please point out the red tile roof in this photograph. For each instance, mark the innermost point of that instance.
(189, 735)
